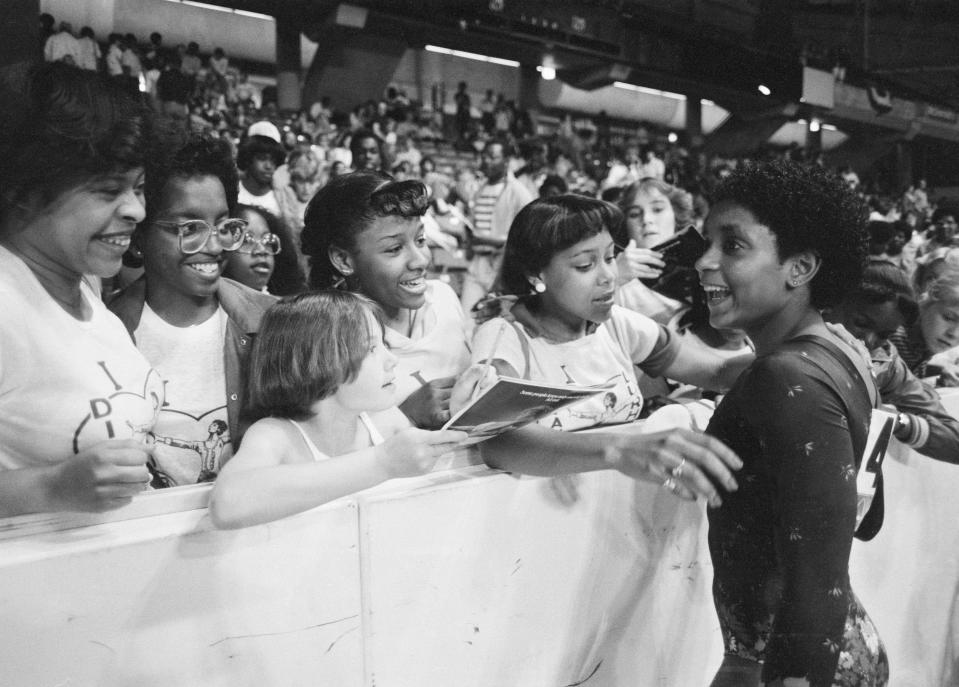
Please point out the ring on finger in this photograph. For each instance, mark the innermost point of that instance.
(670, 483)
(677, 471)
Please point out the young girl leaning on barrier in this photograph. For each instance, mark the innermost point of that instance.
(319, 369)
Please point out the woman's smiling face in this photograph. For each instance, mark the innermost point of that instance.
(390, 258)
(741, 272)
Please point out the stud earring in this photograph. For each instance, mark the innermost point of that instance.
(539, 287)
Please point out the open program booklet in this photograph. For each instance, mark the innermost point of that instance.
(510, 403)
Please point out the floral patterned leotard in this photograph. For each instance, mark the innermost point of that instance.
(780, 545)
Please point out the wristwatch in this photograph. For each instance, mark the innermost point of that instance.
(903, 426)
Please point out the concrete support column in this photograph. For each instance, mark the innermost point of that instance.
(694, 120)
(288, 64)
(814, 136)
(529, 89)
(19, 36)
(904, 161)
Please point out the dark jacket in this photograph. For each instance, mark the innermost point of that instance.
(244, 307)
(934, 433)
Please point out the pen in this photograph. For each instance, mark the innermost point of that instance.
(488, 364)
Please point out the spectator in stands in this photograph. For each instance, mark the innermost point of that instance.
(72, 150)
(559, 267)
(62, 46)
(943, 229)
(929, 345)
(190, 63)
(156, 54)
(305, 178)
(872, 312)
(409, 153)
(174, 90)
(194, 326)
(464, 114)
(321, 378)
(130, 60)
(487, 108)
(553, 186)
(114, 53)
(652, 166)
(367, 152)
(933, 265)
(798, 418)
(494, 206)
(533, 153)
(47, 22)
(89, 50)
(258, 157)
(365, 232)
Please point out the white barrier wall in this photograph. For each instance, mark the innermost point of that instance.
(466, 577)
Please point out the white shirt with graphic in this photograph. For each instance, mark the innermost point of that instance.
(65, 385)
(267, 201)
(606, 356)
(192, 434)
(437, 346)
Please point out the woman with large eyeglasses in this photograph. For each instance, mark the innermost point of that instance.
(364, 232)
(266, 260)
(193, 325)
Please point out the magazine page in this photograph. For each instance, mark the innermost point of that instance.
(510, 403)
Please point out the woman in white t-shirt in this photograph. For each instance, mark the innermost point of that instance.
(560, 261)
(76, 397)
(363, 231)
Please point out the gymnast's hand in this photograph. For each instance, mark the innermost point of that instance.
(105, 476)
(687, 463)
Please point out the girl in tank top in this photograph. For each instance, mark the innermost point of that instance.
(319, 367)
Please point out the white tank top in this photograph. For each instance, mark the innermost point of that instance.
(375, 436)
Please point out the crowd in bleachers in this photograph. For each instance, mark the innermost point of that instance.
(565, 254)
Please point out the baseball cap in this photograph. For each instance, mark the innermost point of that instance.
(264, 128)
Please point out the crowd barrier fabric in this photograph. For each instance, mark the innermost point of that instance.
(466, 576)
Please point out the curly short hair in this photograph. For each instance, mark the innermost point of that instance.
(807, 208)
(307, 346)
(186, 156)
(346, 206)
(64, 126)
(550, 225)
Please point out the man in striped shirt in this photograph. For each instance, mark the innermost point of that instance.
(495, 205)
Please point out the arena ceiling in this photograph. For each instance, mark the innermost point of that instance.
(908, 46)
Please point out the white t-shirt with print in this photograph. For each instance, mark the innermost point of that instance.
(604, 356)
(267, 201)
(65, 385)
(192, 433)
(437, 346)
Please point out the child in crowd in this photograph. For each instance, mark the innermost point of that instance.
(266, 260)
(319, 368)
(364, 232)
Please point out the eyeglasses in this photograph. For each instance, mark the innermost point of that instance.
(270, 243)
(195, 233)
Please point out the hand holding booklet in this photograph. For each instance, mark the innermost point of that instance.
(510, 403)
